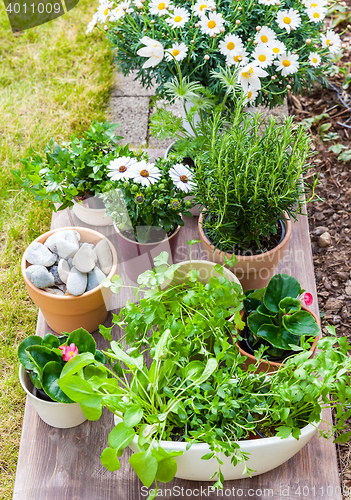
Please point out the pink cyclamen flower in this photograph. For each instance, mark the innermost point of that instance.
(70, 352)
(308, 299)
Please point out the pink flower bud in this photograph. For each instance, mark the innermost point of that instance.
(70, 352)
(308, 299)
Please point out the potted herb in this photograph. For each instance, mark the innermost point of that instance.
(146, 208)
(72, 175)
(42, 361)
(250, 183)
(278, 321)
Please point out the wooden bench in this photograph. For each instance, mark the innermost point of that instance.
(64, 464)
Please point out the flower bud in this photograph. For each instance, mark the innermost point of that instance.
(258, 28)
(197, 25)
(240, 58)
(106, 28)
(343, 45)
(255, 43)
(308, 41)
(288, 87)
(206, 57)
(222, 30)
(240, 8)
(249, 40)
(237, 22)
(349, 26)
(213, 7)
(152, 21)
(331, 44)
(277, 3)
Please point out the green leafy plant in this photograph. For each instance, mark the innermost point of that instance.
(138, 206)
(44, 358)
(76, 170)
(275, 318)
(251, 174)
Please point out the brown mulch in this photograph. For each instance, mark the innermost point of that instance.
(330, 218)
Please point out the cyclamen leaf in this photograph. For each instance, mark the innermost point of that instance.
(109, 459)
(289, 305)
(83, 340)
(51, 374)
(39, 355)
(301, 323)
(120, 436)
(279, 287)
(277, 337)
(75, 364)
(145, 466)
(22, 354)
(256, 320)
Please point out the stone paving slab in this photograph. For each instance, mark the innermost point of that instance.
(127, 86)
(132, 115)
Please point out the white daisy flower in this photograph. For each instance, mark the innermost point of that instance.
(265, 35)
(103, 11)
(288, 19)
(263, 56)
(181, 177)
(267, 2)
(315, 59)
(250, 76)
(331, 40)
(126, 6)
(116, 14)
(160, 7)
(250, 95)
(316, 14)
(239, 57)
(201, 6)
(153, 50)
(92, 24)
(179, 17)
(312, 4)
(277, 48)
(212, 24)
(138, 4)
(145, 173)
(230, 43)
(178, 50)
(287, 63)
(120, 169)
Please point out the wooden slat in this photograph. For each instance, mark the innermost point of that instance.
(64, 464)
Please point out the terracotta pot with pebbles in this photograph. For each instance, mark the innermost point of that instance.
(63, 269)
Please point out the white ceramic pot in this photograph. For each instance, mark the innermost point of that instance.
(188, 105)
(206, 270)
(60, 415)
(92, 216)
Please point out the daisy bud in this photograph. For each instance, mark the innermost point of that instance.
(206, 57)
(139, 7)
(192, 41)
(268, 24)
(237, 22)
(331, 44)
(213, 7)
(229, 65)
(110, 5)
(122, 23)
(240, 58)
(240, 8)
(249, 40)
(197, 25)
(308, 41)
(145, 30)
(222, 30)
(166, 7)
(255, 43)
(213, 36)
(106, 28)
(152, 21)
(258, 28)
(343, 4)
(143, 1)
(277, 3)
(254, 5)
(288, 87)
(272, 78)
(349, 26)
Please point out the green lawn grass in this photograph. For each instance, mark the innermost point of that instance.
(54, 80)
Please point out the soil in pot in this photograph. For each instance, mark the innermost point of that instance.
(154, 236)
(41, 394)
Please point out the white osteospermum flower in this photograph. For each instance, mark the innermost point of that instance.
(145, 173)
(250, 95)
(201, 6)
(181, 177)
(315, 59)
(287, 63)
(159, 7)
(263, 56)
(153, 50)
(288, 19)
(103, 11)
(239, 57)
(265, 35)
(116, 14)
(92, 24)
(277, 48)
(331, 40)
(316, 14)
(126, 6)
(250, 76)
(120, 169)
(230, 43)
(178, 50)
(212, 24)
(313, 4)
(179, 17)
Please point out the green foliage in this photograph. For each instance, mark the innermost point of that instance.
(43, 359)
(250, 176)
(275, 318)
(76, 169)
(139, 209)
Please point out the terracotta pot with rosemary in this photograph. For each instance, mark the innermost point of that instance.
(251, 185)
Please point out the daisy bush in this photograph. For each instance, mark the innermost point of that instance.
(148, 194)
(278, 44)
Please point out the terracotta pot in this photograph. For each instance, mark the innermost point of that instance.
(139, 257)
(273, 366)
(67, 313)
(92, 216)
(253, 271)
(60, 415)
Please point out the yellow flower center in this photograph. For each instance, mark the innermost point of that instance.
(211, 24)
(183, 178)
(264, 38)
(105, 12)
(262, 57)
(315, 60)
(316, 15)
(202, 7)
(236, 58)
(287, 20)
(161, 6)
(286, 63)
(230, 46)
(144, 173)
(276, 50)
(122, 168)
(177, 19)
(327, 42)
(248, 74)
(249, 94)
(176, 52)
(71, 353)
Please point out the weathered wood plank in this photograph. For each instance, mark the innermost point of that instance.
(64, 464)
